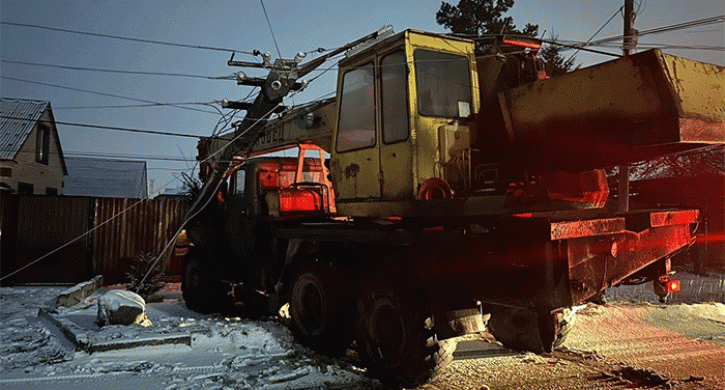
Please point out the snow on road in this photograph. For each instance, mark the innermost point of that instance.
(25, 341)
(678, 340)
(224, 353)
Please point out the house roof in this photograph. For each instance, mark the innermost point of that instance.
(14, 132)
(99, 177)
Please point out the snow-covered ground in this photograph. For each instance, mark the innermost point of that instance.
(224, 353)
(202, 351)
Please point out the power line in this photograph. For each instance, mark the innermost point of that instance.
(279, 53)
(103, 94)
(126, 156)
(110, 128)
(674, 27)
(579, 47)
(127, 38)
(105, 155)
(595, 34)
(643, 45)
(231, 77)
(135, 105)
(145, 169)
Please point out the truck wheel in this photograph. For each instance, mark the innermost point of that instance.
(524, 330)
(318, 314)
(516, 329)
(201, 292)
(396, 340)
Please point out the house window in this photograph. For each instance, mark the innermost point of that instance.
(51, 191)
(6, 172)
(42, 144)
(25, 188)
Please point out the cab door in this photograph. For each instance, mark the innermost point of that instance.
(396, 171)
(239, 218)
(355, 164)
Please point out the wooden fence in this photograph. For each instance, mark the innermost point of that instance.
(76, 238)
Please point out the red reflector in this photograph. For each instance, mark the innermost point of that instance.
(673, 286)
(434, 229)
(523, 215)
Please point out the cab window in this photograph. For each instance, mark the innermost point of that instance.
(394, 72)
(356, 126)
(443, 81)
(239, 181)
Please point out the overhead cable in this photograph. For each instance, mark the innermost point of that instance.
(595, 34)
(128, 38)
(659, 30)
(104, 94)
(110, 127)
(126, 156)
(230, 77)
(134, 105)
(279, 53)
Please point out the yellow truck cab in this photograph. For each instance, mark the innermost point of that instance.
(399, 108)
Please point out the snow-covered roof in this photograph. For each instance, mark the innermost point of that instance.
(90, 176)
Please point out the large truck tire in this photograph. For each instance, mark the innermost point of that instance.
(201, 291)
(516, 329)
(396, 339)
(319, 318)
(525, 330)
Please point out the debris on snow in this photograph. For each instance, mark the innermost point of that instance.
(644, 377)
(123, 308)
(76, 294)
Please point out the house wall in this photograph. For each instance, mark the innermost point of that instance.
(25, 169)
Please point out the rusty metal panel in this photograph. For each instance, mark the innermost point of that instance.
(665, 218)
(53, 228)
(126, 228)
(8, 224)
(587, 228)
(596, 263)
(630, 109)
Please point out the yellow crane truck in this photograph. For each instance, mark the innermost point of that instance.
(441, 193)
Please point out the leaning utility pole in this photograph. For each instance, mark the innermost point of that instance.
(623, 177)
(629, 17)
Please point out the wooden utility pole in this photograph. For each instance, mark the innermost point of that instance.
(628, 26)
(623, 178)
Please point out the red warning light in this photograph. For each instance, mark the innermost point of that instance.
(523, 43)
(673, 286)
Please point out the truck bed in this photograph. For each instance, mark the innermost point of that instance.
(629, 109)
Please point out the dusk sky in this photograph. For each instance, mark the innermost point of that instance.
(302, 25)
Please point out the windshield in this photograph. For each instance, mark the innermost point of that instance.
(444, 84)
